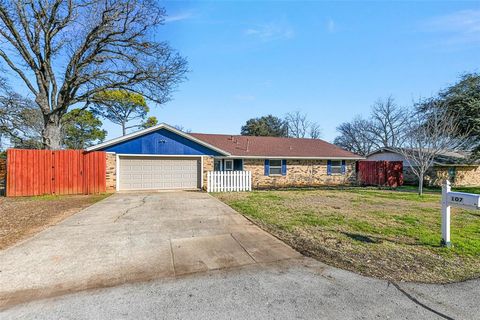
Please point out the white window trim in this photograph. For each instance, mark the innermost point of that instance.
(270, 168)
(226, 166)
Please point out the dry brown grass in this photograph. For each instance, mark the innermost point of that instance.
(386, 234)
(23, 217)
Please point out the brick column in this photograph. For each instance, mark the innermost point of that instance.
(111, 175)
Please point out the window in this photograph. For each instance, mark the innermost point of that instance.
(217, 165)
(275, 167)
(238, 165)
(228, 165)
(452, 172)
(336, 167)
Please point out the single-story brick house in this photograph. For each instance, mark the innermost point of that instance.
(454, 166)
(163, 157)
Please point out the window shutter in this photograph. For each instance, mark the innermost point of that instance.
(284, 167)
(329, 167)
(344, 169)
(267, 167)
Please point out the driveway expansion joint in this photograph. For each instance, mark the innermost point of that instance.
(241, 245)
(173, 257)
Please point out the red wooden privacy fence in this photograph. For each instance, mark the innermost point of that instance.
(380, 173)
(39, 172)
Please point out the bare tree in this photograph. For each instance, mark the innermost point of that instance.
(428, 135)
(20, 122)
(315, 131)
(355, 136)
(66, 51)
(298, 124)
(182, 128)
(387, 123)
(384, 128)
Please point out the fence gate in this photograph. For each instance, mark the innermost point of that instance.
(228, 181)
(380, 173)
(40, 172)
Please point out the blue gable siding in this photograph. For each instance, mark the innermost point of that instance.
(162, 142)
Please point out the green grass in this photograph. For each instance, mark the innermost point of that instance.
(376, 232)
(439, 189)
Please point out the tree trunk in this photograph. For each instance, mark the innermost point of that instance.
(124, 130)
(52, 132)
(420, 185)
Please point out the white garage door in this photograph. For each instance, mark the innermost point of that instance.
(142, 173)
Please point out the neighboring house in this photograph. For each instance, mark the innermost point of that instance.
(454, 166)
(163, 157)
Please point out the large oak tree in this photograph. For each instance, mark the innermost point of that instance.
(67, 51)
(462, 99)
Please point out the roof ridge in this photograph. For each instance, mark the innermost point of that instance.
(240, 135)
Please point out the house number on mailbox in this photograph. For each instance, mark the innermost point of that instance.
(457, 199)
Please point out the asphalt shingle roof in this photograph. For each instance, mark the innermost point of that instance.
(245, 146)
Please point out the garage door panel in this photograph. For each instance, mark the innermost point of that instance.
(137, 173)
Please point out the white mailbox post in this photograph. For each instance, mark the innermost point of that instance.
(456, 199)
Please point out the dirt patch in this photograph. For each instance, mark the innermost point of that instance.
(20, 218)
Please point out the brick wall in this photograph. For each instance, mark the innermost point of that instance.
(3, 175)
(300, 173)
(464, 176)
(467, 176)
(111, 175)
(207, 166)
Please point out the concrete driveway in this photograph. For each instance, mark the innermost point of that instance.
(134, 237)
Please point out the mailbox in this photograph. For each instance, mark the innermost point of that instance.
(457, 199)
(464, 200)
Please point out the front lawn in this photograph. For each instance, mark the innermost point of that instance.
(388, 234)
(24, 216)
(438, 189)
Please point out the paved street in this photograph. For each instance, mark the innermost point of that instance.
(291, 289)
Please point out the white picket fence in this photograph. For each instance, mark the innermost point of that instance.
(228, 181)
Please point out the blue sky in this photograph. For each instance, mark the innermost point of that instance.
(331, 60)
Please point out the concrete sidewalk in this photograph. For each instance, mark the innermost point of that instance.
(134, 237)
